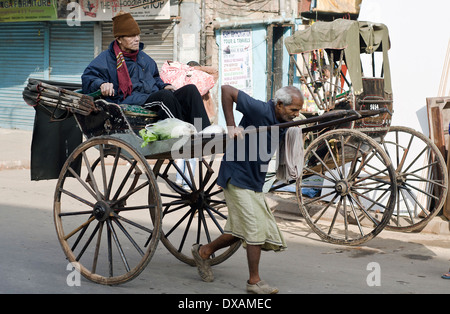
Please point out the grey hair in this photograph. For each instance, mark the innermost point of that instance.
(285, 95)
(325, 67)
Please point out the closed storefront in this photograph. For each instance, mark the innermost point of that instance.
(41, 50)
(55, 51)
(59, 44)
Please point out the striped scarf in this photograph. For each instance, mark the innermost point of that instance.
(123, 76)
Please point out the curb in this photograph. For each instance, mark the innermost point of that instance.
(11, 165)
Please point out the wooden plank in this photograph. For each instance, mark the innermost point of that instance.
(446, 210)
(438, 130)
(441, 103)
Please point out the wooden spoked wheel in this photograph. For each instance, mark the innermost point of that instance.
(107, 211)
(194, 209)
(351, 187)
(422, 178)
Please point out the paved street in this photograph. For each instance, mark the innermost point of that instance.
(32, 260)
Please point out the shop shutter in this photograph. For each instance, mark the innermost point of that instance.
(158, 37)
(22, 56)
(40, 50)
(71, 50)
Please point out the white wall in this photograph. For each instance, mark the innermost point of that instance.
(188, 36)
(419, 33)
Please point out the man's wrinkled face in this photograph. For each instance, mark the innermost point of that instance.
(129, 43)
(288, 113)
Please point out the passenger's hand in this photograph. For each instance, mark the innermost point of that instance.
(107, 89)
(170, 87)
(235, 131)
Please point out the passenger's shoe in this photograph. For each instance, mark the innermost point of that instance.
(261, 287)
(203, 266)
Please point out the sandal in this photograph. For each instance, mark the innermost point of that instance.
(203, 266)
(261, 287)
(446, 275)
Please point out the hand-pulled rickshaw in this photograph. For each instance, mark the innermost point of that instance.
(359, 79)
(114, 199)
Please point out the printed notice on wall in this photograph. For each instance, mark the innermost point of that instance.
(236, 45)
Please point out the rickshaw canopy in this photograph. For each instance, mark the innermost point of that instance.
(354, 37)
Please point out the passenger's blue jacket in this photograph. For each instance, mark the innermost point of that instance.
(144, 75)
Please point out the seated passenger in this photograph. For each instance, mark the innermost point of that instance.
(127, 75)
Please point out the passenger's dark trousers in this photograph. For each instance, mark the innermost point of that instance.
(185, 104)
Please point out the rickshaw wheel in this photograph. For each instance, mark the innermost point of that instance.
(107, 211)
(351, 187)
(422, 178)
(194, 210)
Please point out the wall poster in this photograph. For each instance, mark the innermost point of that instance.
(236, 52)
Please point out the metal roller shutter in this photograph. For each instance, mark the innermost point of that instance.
(41, 50)
(71, 50)
(22, 56)
(157, 36)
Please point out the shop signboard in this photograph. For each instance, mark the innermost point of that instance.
(27, 10)
(81, 10)
(104, 10)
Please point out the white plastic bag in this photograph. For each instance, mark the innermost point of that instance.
(171, 128)
(166, 129)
